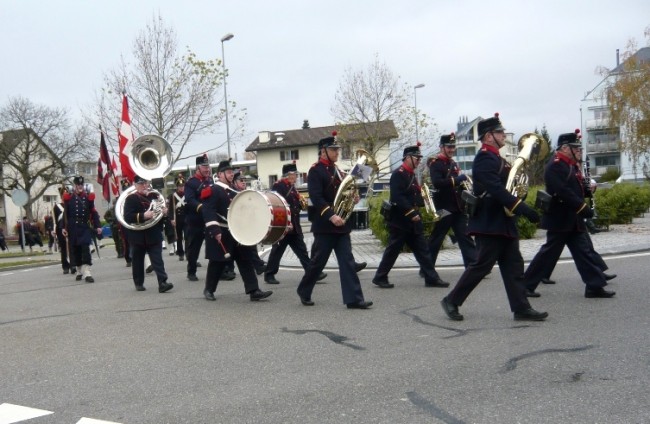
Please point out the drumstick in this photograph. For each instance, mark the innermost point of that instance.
(225, 252)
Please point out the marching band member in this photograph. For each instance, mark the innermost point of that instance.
(59, 218)
(565, 222)
(446, 180)
(330, 231)
(81, 219)
(176, 215)
(239, 184)
(405, 224)
(146, 241)
(496, 234)
(286, 188)
(220, 246)
(194, 225)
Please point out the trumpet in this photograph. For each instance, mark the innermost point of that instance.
(429, 206)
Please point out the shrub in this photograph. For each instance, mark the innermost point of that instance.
(526, 228)
(622, 202)
(611, 174)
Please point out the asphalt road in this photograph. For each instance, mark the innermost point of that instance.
(107, 352)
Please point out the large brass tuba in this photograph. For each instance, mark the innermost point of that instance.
(532, 147)
(150, 156)
(348, 190)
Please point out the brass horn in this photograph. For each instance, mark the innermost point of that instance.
(348, 190)
(150, 156)
(532, 147)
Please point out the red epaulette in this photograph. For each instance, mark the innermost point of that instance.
(206, 192)
(67, 197)
(91, 196)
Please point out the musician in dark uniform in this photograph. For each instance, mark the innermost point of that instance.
(286, 188)
(330, 231)
(145, 241)
(447, 182)
(82, 220)
(124, 237)
(176, 214)
(496, 234)
(239, 184)
(220, 246)
(565, 221)
(60, 222)
(194, 225)
(405, 222)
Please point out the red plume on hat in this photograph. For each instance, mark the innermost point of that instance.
(578, 135)
(496, 115)
(417, 143)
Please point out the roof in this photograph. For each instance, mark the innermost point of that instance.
(641, 56)
(383, 130)
(464, 128)
(12, 138)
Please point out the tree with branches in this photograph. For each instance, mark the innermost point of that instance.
(373, 95)
(628, 100)
(174, 96)
(33, 145)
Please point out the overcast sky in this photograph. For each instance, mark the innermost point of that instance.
(531, 61)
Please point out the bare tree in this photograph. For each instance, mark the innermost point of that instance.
(628, 101)
(376, 94)
(32, 149)
(176, 97)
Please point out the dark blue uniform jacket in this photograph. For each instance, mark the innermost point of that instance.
(323, 181)
(406, 198)
(564, 181)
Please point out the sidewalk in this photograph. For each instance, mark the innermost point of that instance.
(366, 248)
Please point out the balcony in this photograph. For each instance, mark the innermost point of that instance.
(611, 146)
(592, 124)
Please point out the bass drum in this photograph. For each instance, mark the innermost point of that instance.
(258, 217)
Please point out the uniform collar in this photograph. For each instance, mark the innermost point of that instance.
(565, 158)
(326, 162)
(407, 168)
(443, 157)
(489, 148)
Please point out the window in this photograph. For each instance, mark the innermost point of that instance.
(601, 114)
(272, 180)
(606, 160)
(289, 155)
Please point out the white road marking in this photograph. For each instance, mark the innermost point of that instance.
(10, 413)
(85, 420)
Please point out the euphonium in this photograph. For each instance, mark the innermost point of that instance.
(429, 206)
(532, 147)
(344, 200)
(303, 202)
(150, 157)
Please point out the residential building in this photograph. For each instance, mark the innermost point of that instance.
(602, 140)
(276, 148)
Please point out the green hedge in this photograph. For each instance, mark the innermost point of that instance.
(623, 202)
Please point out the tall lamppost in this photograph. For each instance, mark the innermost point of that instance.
(415, 93)
(225, 38)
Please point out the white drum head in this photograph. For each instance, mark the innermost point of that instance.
(249, 217)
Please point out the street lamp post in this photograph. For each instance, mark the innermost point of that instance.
(415, 93)
(225, 38)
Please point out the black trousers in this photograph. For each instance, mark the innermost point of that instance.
(80, 255)
(457, 222)
(396, 239)
(297, 244)
(588, 262)
(321, 250)
(243, 257)
(138, 253)
(194, 237)
(491, 250)
(180, 251)
(66, 262)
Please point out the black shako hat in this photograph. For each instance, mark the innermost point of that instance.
(139, 180)
(330, 142)
(571, 139)
(202, 160)
(78, 180)
(448, 140)
(180, 180)
(412, 151)
(490, 124)
(289, 168)
(224, 165)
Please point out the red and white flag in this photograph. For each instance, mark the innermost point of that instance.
(115, 182)
(104, 159)
(126, 139)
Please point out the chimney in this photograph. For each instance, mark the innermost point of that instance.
(265, 136)
(617, 58)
